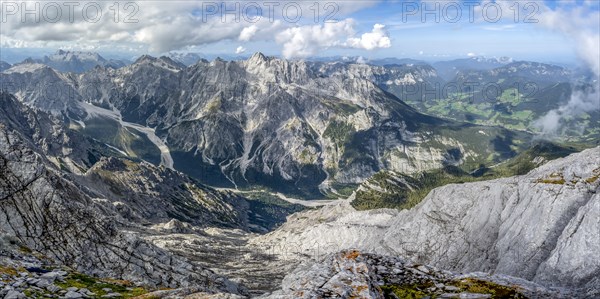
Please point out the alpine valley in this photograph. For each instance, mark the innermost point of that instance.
(179, 177)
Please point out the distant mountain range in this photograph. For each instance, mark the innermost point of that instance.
(76, 62)
(186, 58)
(449, 69)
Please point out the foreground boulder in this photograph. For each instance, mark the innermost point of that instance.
(352, 274)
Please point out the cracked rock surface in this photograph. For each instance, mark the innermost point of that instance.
(47, 211)
(353, 274)
(541, 227)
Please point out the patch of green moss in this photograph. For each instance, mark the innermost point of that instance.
(214, 106)
(497, 291)
(344, 190)
(8, 270)
(135, 143)
(342, 108)
(25, 249)
(307, 157)
(592, 179)
(31, 293)
(401, 197)
(405, 291)
(468, 285)
(268, 210)
(96, 285)
(559, 181)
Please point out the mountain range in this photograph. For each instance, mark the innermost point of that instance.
(167, 179)
(75, 61)
(294, 126)
(449, 69)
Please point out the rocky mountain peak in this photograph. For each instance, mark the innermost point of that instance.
(62, 55)
(187, 59)
(144, 58)
(170, 61)
(218, 62)
(274, 69)
(257, 57)
(163, 62)
(258, 62)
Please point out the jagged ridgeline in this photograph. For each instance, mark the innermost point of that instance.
(292, 126)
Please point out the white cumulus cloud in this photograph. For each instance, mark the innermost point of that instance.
(248, 33)
(240, 50)
(378, 38)
(304, 41)
(152, 26)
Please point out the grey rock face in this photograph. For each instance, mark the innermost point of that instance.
(352, 274)
(144, 193)
(407, 81)
(529, 226)
(73, 294)
(342, 275)
(14, 295)
(541, 227)
(48, 212)
(51, 215)
(50, 135)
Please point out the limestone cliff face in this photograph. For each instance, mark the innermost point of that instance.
(50, 211)
(542, 226)
(147, 194)
(49, 214)
(535, 226)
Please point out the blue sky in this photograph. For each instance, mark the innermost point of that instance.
(412, 37)
(372, 29)
(429, 40)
